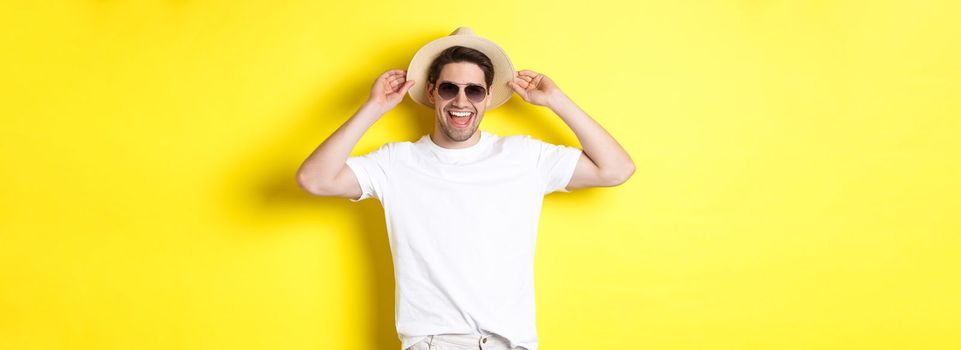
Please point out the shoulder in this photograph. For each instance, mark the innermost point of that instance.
(396, 146)
(387, 151)
(532, 144)
(515, 141)
(400, 149)
(399, 144)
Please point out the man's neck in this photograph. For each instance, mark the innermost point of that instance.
(441, 139)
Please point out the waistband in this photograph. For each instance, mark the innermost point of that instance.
(470, 339)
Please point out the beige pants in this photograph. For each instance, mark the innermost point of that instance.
(463, 342)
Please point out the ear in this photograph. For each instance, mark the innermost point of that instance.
(430, 92)
(490, 97)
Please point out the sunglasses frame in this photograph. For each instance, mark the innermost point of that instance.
(438, 85)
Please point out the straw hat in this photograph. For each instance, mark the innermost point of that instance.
(463, 36)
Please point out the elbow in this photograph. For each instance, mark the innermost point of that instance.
(621, 176)
(309, 185)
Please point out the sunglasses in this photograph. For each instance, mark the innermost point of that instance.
(474, 92)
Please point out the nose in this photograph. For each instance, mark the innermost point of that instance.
(461, 99)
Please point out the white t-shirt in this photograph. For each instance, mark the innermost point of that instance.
(462, 226)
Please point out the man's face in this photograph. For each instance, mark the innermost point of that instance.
(449, 112)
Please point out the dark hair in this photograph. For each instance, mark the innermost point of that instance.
(461, 54)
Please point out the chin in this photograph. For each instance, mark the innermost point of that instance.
(456, 136)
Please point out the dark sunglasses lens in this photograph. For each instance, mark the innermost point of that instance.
(475, 93)
(447, 90)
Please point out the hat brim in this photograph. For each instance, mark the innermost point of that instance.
(503, 69)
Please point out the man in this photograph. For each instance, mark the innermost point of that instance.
(462, 204)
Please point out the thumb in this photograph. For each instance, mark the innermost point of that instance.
(518, 89)
(407, 86)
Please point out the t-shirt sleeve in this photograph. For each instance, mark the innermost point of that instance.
(555, 164)
(371, 170)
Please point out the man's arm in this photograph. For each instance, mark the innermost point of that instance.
(604, 162)
(325, 172)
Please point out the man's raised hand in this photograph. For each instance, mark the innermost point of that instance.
(389, 89)
(535, 88)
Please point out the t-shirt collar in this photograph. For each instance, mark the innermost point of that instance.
(457, 152)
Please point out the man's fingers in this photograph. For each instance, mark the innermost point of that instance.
(526, 72)
(531, 77)
(521, 82)
(391, 73)
(395, 80)
(537, 80)
(401, 91)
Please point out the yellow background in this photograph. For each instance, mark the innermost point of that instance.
(797, 181)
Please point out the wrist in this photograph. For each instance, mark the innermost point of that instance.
(371, 109)
(557, 101)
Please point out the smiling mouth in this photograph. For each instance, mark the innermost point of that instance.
(460, 119)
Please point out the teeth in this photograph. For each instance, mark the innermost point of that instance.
(460, 114)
